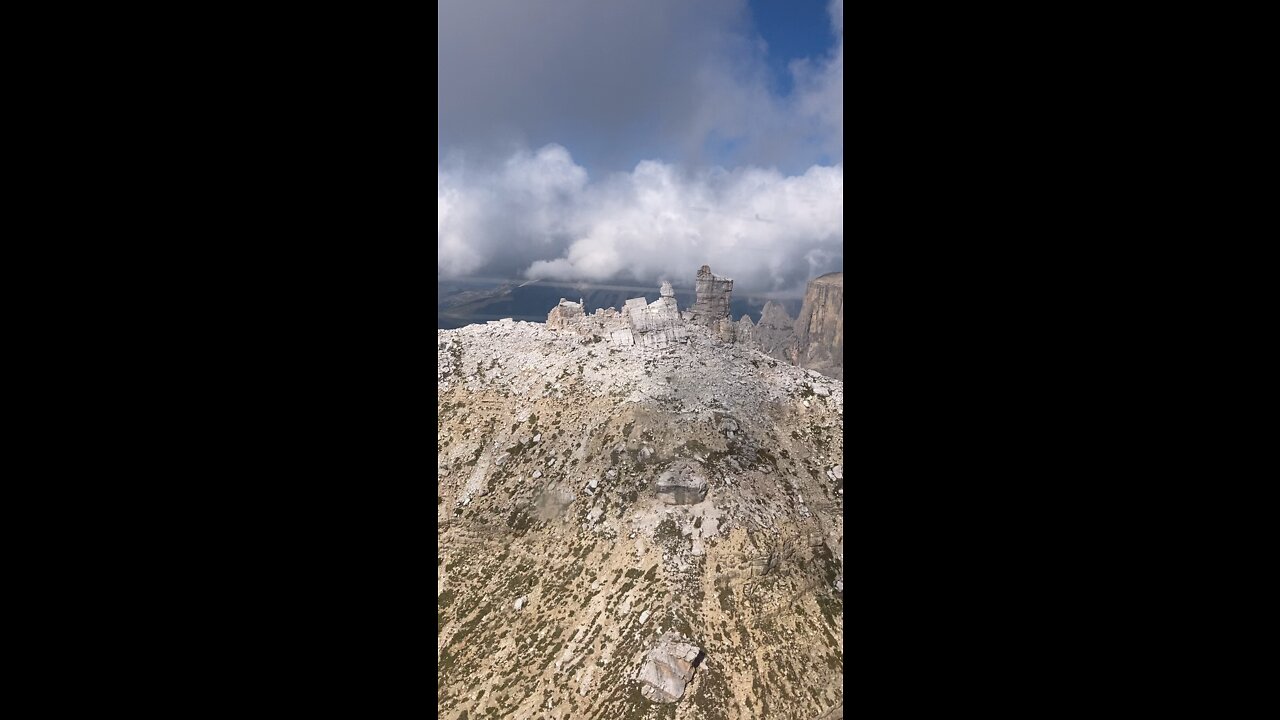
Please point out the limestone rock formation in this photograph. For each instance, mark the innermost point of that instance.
(668, 668)
(815, 339)
(745, 331)
(713, 294)
(564, 315)
(820, 328)
(656, 324)
(726, 330)
(775, 335)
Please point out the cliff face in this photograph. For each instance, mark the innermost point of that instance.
(819, 330)
(713, 294)
(815, 340)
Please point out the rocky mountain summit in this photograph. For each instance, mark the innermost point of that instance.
(814, 340)
(639, 517)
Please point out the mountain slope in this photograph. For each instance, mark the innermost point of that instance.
(595, 501)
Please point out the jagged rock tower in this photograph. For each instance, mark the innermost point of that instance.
(712, 294)
(657, 324)
(564, 315)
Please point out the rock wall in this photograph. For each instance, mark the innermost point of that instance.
(815, 339)
(604, 325)
(819, 330)
(657, 324)
(712, 295)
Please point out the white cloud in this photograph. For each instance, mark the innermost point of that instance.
(543, 218)
(457, 219)
(538, 214)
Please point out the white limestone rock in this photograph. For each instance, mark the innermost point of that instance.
(668, 668)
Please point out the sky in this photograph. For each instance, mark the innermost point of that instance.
(632, 142)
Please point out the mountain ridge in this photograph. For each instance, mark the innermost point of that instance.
(604, 507)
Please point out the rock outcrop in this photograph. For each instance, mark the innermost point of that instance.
(820, 328)
(815, 339)
(668, 668)
(745, 331)
(657, 324)
(775, 334)
(642, 324)
(682, 484)
(713, 294)
(565, 315)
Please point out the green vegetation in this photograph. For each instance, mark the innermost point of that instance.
(519, 521)
(667, 531)
(713, 697)
(726, 598)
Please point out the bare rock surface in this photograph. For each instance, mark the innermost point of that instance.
(775, 335)
(559, 450)
(668, 668)
(815, 339)
(713, 295)
(683, 483)
(820, 328)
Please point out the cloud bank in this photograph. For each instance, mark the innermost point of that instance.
(738, 176)
(539, 217)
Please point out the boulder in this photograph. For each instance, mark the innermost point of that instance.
(668, 668)
(682, 484)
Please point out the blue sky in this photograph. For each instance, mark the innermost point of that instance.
(610, 140)
(792, 29)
